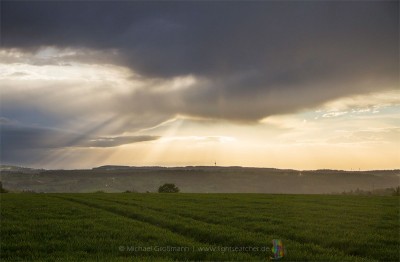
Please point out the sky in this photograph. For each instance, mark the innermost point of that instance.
(284, 84)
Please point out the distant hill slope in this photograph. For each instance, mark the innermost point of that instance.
(17, 169)
(197, 179)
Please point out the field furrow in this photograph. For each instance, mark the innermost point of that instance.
(212, 233)
(298, 227)
(193, 227)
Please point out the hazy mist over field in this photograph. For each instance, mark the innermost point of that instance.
(200, 179)
(282, 84)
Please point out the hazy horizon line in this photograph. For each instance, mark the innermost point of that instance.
(199, 166)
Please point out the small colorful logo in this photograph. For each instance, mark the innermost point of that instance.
(277, 249)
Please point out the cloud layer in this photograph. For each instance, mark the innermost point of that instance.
(261, 57)
(109, 69)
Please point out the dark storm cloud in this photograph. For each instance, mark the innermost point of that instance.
(165, 39)
(257, 58)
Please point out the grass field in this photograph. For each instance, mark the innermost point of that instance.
(152, 227)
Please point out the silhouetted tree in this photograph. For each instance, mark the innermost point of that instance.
(2, 190)
(397, 191)
(131, 191)
(168, 188)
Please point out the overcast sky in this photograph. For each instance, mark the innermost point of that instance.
(289, 84)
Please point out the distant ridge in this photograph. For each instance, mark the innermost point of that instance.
(13, 168)
(121, 167)
(111, 167)
(196, 179)
(18, 169)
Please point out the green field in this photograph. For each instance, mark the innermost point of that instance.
(176, 227)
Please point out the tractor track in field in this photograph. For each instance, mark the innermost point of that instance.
(66, 226)
(196, 218)
(141, 218)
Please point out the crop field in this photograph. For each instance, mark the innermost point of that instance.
(193, 227)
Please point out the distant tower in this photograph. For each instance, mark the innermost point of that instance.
(215, 163)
